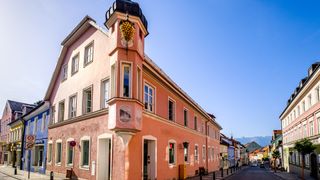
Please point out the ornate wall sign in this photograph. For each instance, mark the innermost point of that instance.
(127, 33)
(125, 114)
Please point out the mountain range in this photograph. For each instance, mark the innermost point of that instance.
(261, 140)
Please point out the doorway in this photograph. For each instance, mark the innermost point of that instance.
(104, 158)
(149, 159)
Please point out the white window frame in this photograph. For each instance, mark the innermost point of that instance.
(53, 114)
(64, 75)
(75, 64)
(67, 152)
(123, 65)
(149, 86)
(84, 100)
(188, 158)
(196, 153)
(185, 124)
(171, 141)
(61, 116)
(49, 154)
(311, 128)
(104, 101)
(174, 109)
(309, 101)
(81, 166)
(73, 110)
(86, 60)
(204, 155)
(56, 152)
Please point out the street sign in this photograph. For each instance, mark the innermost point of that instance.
(30, 140)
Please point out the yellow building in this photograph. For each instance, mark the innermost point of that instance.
(15, 137)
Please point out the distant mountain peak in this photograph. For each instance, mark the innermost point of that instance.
(260, 140)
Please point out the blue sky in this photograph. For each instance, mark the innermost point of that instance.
(240, 60)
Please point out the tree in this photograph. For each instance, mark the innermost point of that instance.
(275, 155)
(304, 147)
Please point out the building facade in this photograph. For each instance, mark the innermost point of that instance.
(301, 119)
(225, 142)
(276, 145)
(116, 114)
(36, 123)
(11, 138)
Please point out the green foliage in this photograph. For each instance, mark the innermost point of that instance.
(276, 154)
(304, 146)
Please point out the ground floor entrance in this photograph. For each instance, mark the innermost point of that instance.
(104, 157)
(149, 159)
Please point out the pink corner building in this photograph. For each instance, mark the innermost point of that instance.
(116, 115)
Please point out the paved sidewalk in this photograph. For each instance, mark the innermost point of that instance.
(288, 176)
(23, 175)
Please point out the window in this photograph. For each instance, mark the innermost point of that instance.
(317, 94)
(53, 113)
(172, 151)
(311, 128)
(105, 93)
(185, 117)
(171, 110)
(113, 81)
(195, 123)
(318, 119)
(49, 152)
(69, 152)
(88, 54)
(186, 154)
(75, 64)
(35, 125)
(85, 153)
(43, 122)
(64, 72)
(202, 127)
(61, 112)
(212, 154)
(58, 152)
(304, 130)
(298, 109)
(303, 106)
(309, 101)
(148, 98)
(196, 153)
(139, 83)
(87, 100)
(73, 106)
(203, 152)
(126, 69)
